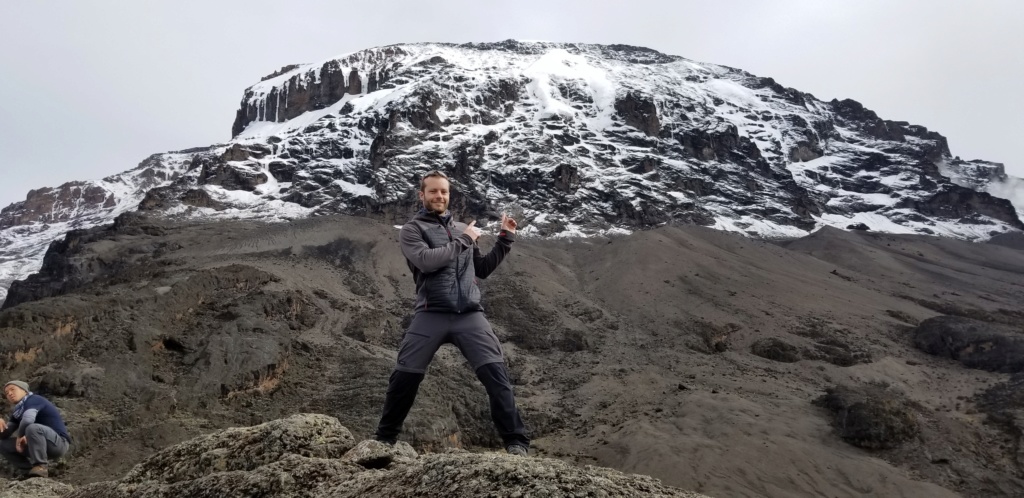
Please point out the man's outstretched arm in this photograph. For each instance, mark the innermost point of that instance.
(485, 265)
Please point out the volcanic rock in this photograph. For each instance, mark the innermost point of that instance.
(1014, 240)
(313, 456)
(776, 349)
(34, 488)
(870, 416)
(974, 343)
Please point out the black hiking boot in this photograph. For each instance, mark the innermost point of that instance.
(517, 450)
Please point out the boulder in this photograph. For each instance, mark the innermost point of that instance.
(471, 475)
(1013, 240)
(313, 456)
(871, 416)
(976, 344)
(245, 448)
(293, 476)
(776, 349)
(33, 488)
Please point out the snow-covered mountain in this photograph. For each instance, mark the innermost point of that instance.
(580, 139)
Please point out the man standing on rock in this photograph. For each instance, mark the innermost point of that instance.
(445, 262)
(37, 428)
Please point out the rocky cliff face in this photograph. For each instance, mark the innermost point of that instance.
(591, 138)
(61, 204)
(27, 228)
(582, 139)
(290, 92)
(87, 202)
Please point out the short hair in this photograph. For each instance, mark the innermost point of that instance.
(432, 174)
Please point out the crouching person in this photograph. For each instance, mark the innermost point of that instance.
(34, 433)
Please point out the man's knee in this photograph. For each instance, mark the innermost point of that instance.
(37, 432)
(494, 375)
(494, 368)
(402, 380)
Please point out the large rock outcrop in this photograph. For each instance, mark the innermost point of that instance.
(34, 488)
(69, 263)
(967, 205)
(1013, 240)
(314, 456)
(976, 344)
(312, 89)
(871, 416)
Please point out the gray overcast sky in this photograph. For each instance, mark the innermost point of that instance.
(90, 88)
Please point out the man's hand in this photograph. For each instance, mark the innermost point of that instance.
(3, 425)
(472, 230)
(508, 224)
(21, 444)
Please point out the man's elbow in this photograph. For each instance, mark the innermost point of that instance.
(420, 261)
(482, 272)
(427, 266)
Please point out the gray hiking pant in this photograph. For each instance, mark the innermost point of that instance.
(470, 332)
(43, 444)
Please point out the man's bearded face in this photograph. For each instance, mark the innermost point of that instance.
(435, 194)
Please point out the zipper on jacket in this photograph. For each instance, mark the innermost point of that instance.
(458, 278)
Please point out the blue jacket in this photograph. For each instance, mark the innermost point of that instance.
(35, 409)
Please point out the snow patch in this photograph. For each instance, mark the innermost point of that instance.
(735, 93)
(558, 66)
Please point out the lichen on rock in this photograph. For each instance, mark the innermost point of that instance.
(314, 456)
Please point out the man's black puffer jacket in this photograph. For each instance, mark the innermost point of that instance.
(445, 262)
